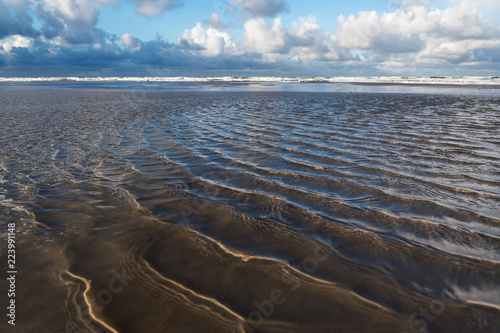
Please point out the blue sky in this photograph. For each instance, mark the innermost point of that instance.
(118, 18)
(249, 37)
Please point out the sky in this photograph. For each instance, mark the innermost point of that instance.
(249, 38)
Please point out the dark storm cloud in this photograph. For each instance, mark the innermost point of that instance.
(6, 22)
(18, 23)
(75, 27)
(113, 60)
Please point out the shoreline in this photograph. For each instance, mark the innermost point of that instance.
(465, 81)
(249, 85)
(444, 85)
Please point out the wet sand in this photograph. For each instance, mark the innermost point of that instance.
(215, 211)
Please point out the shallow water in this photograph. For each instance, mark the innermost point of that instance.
(206, 210)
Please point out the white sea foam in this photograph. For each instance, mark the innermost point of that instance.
(441, 80)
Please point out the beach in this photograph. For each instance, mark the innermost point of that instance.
(143, 206)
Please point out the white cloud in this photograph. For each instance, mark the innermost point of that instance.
(156, 7)
(410, 35)
(9, 43)
(310, 41)
(131, 42)
(453, 34)
(305, 41)
(467, 50)
(357, 33)
(464, 21)
(209, 42)
(263, 38)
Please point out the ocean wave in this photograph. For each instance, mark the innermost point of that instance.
(431, 80)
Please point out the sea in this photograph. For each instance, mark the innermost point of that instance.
(250, 204)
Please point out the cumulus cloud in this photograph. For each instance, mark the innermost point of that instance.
(269, 8)
(73, 20)
(18, 41)
(306, 41)
(394, 32)
(131, 42)
(156, 7)
(453, 35)
(410, 35)
(263, 38)
(310, 41)
(209, 42)
(409, 39)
